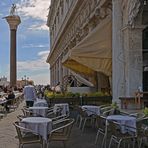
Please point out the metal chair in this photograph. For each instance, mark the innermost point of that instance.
(102, 130)
(116, 135)
(141, 130)
(27, 136)
(83, 117)
(61, 131)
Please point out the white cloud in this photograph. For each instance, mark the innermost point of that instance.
(39, 27)
(36, 46)
(38, 66)
(42, 78)
(37, 9)
(34, 65)
(43, 53)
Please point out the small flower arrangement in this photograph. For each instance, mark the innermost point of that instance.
(114, 105)
(145, 111)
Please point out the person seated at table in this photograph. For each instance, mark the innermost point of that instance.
(9, 98)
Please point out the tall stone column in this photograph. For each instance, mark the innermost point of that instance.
(118, 76)
(133, 58)
(13, 21)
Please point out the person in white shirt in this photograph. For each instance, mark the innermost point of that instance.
(29, 94)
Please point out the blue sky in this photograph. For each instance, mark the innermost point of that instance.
(32, 40)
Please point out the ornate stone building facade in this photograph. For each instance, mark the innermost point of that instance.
(105, 41)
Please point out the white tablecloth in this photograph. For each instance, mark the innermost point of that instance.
(41, 102)
(64, 106)
(39, 125)
(3, 100)
(39, 111)
(124, 120)
(91, 109)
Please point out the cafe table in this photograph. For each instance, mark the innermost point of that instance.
(128, 123)
(91, 109)
(39, 125)
(63, 106)
(40, 102)
(39, 111)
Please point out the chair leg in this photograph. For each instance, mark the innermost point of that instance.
(140, 143)
(80, 122)
(64, 143)
(84, 124)
(110, 142)
(103, 141)
(96, 139)
(47, 145)
(20, 145)
(77, 120)
(119, 143)
(41, 145)
(133, 142)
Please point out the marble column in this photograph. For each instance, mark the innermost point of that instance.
(133, 58)
(13, 22)
(118, 76)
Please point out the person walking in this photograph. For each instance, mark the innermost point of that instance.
(29, 94)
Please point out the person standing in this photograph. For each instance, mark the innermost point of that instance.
(29, 94)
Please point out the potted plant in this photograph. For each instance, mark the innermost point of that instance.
(115, 108)
(145, 111)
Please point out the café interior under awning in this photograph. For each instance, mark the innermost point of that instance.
(93, 53)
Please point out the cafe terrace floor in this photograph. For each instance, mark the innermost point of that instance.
(77, 140)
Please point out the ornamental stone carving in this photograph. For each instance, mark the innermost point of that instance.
(133, 10)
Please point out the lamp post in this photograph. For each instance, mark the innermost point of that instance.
(25, 79)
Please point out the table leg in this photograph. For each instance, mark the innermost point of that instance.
(45, 145)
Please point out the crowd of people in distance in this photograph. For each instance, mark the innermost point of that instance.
(9, 95)
(30, 92)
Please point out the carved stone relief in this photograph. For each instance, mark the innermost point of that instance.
(85, 20)
(133, 10)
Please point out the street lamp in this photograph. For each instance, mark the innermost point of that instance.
(25, 79)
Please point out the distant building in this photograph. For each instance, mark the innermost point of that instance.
(3, 81)
(105, 41)
(22, 83)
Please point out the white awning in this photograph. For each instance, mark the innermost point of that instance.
(93, 53)
(82, 79)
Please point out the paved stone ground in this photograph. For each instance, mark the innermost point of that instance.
(77, 139)
(7, 130)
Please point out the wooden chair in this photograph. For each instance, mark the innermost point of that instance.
(27, 136)
(61, 131)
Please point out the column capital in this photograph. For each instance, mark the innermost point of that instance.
(13, 21)
(141, 27)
